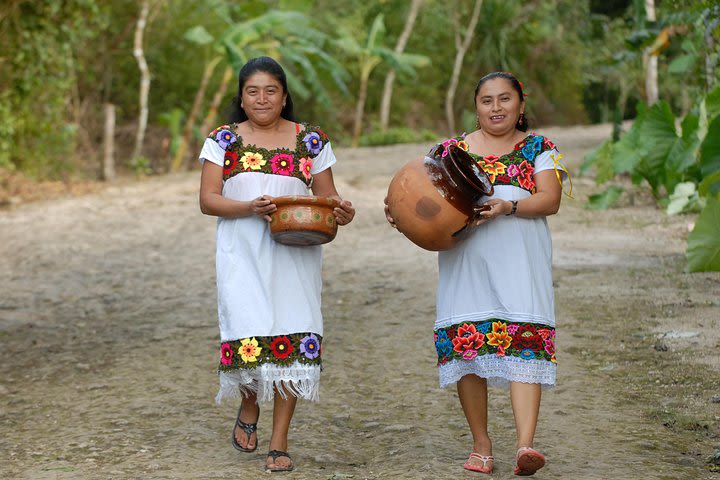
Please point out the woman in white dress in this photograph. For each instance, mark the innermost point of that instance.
(495, 309)
(268, 293)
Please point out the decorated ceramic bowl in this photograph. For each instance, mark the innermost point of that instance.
(303, 220)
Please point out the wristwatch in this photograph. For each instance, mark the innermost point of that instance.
(514, 208)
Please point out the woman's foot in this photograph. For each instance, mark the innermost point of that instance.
(244, 436)
(278, 461)
(529, 461)
(479, 463)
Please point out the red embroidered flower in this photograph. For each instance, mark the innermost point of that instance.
(490, 158)
(502, 179)
(281, 347)
(468, 338)
(527, 337)
(226, 354)
(282, 164)
(230, 162)
(548, 144)
(525, 177)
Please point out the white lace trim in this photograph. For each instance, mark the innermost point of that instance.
(302, 381)
(499, 371)
(494, 314)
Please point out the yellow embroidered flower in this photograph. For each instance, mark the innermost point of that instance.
(499, 337)
(252, 161)
(493, 169)
(463, 144)
(249, 350)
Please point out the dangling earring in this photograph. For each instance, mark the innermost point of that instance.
(477, 122)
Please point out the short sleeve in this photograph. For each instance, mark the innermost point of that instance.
(324, 160)
(549, 160)
(212, 152)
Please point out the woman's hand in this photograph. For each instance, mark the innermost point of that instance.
(490, 210)
(344, 213)
(263, 206)
(390, 220)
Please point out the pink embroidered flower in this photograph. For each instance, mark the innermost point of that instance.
(469, 354)
(513, 328)
(226, 354)
(546, 333)
(282, 164)
(305, 166)
(446, 144)
(513, 170)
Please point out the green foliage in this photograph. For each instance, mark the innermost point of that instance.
(397, 135)
(606, 199)
(703, 250)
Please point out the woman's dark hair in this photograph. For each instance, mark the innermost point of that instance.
(267, 65)
(522, 123)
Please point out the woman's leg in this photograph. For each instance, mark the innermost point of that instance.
(283, 410)
(525, 398)
(249, 413)
(472, 391)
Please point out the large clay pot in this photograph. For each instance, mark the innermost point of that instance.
(432, 199)
(303, 220)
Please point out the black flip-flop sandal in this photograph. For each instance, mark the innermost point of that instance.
(275, 454)
(249, 429)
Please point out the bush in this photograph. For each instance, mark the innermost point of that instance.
(398, 135)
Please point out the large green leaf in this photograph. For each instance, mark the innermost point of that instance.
(601, 159)
(703, 250)
(712, 102)
(710, 149)
(658, 136)
(199, 35)
(630, 149)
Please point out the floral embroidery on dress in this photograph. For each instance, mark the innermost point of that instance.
(248, 353)
(468, 340)
(514, 168)
(297, 163)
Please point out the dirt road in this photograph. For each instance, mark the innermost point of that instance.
(108, 343)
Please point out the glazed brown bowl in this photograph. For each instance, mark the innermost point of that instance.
(303, 220)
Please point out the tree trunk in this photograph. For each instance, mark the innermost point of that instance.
(108, 171)
(180, 154)
(651, 61)
(217, 98)
(461, 48)
(390, 78)
(360, 108)
(139, 55)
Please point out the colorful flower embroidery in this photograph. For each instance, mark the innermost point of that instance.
(279, 161)
(463, 145)
(224, 138)
(313, 142)
(230, 162)
(305, 166)
(310, 346)
(446, 144)
(226, 354)
(515, 168)
(249, 350)
(249, 353)
(281, 347)
(253, 161)
(470, 340)
(492, 166)
(282, 164)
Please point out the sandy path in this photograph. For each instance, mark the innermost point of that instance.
(108, 344)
